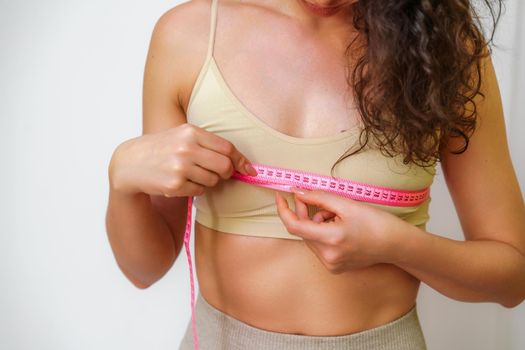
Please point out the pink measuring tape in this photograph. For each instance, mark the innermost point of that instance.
(283, 179)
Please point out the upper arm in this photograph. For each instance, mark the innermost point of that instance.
(482, 180)
(174, 54)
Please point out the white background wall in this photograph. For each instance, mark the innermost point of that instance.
(71, 75)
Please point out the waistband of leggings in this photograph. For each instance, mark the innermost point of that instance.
(400, 330)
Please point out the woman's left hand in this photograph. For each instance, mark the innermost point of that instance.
(345, 234)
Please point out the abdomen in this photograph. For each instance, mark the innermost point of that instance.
(280, 285)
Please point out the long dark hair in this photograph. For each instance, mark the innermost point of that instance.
(417, 73)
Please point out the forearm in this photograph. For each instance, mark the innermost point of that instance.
(472, 271)
(139, 237)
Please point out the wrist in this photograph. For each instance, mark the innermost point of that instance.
(400, 240)
(121, 196)
(116, 183)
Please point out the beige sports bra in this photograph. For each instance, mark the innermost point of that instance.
(239, 208)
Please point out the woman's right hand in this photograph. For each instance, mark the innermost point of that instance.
(180, 161)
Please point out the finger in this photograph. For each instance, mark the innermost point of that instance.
(202, 176)
(189, 188)
(314, 247)
(317, 249)
(323, 199)
(304, 228)
(213, 161)
(323, 215)
(220, 145)
(301, 209)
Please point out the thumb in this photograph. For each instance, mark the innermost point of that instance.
(322, 199)
(323, 215)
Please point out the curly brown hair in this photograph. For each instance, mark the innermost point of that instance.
(417, 73)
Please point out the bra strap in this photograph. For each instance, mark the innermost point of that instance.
(213, 25)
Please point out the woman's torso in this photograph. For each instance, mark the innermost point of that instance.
(294, 81)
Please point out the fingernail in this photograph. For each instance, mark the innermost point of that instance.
(250, 169)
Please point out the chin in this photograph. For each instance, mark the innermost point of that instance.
(325, 8)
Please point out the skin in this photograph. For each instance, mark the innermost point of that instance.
(348, 274)
(234, 271)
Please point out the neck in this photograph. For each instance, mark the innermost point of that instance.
(322, 15)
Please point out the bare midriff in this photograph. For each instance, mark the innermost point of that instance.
(280, 285)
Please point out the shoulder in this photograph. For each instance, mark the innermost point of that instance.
(192, 18)
(178, 44)
(187, 18)
(184, 27)
(488, 104)
(188, 24)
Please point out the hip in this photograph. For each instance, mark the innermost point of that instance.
(218, 330)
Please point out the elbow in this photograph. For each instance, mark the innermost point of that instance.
(144, 278)
(514, 297)
(515, 292)
(511, 303)
(141, 285)
(144, 283)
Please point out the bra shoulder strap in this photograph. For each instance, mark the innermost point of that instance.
(213, 25)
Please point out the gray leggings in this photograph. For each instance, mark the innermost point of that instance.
(219, 331)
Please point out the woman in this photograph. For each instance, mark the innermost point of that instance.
(295, 84)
